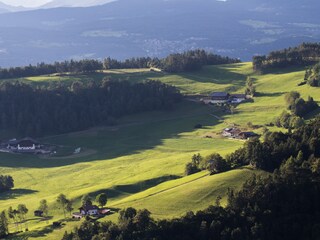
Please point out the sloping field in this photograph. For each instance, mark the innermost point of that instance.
(140, 161)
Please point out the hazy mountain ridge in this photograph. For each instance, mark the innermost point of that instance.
(4, 8)
(72, 3)
(128, 28)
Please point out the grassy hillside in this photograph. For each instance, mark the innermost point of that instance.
(173, 197)
(140, 161)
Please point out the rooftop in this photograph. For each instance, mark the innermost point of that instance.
(219, 94)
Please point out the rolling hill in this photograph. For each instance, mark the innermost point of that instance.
(140, 161)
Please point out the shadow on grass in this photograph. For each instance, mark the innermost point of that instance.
(284, 70)
(218, 75)
(43, 232)
(14, 193)
(312, 114)
(125, 139)
(263, 94)
(121, 190)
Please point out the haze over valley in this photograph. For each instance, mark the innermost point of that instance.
(131, 28)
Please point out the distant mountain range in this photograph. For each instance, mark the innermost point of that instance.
(73, 3)
(8, 8)
(128, 28)
(54, 4)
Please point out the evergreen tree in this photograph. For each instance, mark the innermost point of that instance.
(4, 230)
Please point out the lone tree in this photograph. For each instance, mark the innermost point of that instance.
(4, 230)
(63, 202)
(6, 183)
(102, 199)
(44, 207)
(86, 200)
(250, 88)
(23, 210)
(69, 206)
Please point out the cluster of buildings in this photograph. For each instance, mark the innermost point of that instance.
(90, 210)
(25, 145)
(238, 134)
(224, 97)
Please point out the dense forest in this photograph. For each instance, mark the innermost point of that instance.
(312, 76)
(187, 61)
(284, 205)
(303, 55)
(37, 111)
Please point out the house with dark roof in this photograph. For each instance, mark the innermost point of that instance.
(247, 135)
(89, 209)
(231, 132)
(38, 213)
(219, 97)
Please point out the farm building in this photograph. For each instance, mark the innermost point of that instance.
(89, 210)
(38, 213)
(219, 97)
(237, 98)
(23, 145)
(224, 97)
(247, 135)
(231, 132)
(77, 215)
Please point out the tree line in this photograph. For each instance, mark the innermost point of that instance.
(179, 62)
(283, 205)
(38, 111)
(72, 66)
(302, 55)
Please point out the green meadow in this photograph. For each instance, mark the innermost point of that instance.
(140, 161)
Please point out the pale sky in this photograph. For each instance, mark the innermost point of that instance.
(25, 3)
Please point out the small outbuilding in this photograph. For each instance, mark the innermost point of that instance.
(247, 135)
(77, 215)
(38, 213)
(56, 224)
